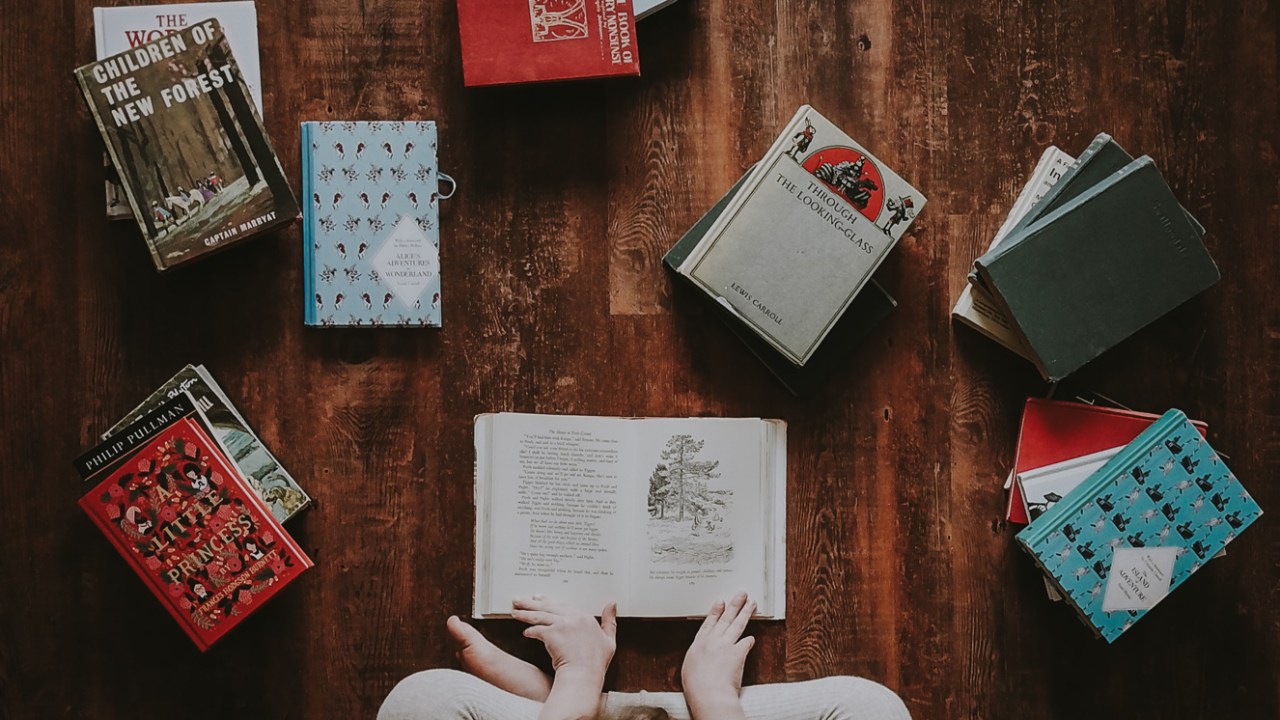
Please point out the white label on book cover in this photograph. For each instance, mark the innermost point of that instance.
(803, 235)
(407, 261)
(1139, 578)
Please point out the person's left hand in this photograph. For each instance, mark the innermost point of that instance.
(574, 639)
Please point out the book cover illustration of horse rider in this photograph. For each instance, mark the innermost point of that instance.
(189, 146)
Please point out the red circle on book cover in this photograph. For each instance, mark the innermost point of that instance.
(866, 197)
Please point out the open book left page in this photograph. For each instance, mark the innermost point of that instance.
(661, 515)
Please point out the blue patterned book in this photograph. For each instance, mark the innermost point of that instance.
(371, 225)
(1141, 525)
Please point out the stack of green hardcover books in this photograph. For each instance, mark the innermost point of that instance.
(1105, 252)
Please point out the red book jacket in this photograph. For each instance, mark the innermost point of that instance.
(1054, 431)
(194, 530)
(517, 41)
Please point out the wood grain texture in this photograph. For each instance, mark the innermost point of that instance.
(901, 569)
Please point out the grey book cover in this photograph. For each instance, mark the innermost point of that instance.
(802, 236)
(1098, 269)
(868, 308)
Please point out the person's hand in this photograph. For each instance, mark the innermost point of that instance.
(712, 670)
(580, 649)
(573, 638)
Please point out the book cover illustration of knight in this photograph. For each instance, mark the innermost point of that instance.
(856, 177)
(188, 144)
(192, 528)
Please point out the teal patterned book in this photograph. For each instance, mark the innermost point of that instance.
(1141, 525)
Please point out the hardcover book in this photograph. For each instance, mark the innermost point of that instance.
(645, 8)
(117, 29)
(270, 480)
(1098, 269)
(179, 512)
(520, 41)
(800, 239)
(1141, 525)
(661, 514)
(371, 231)
(1054, 431)
(183, 133)
(975, 306)
(866, 311)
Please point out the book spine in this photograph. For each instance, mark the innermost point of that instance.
(308, 231)
(147, 578)
(1089, 489)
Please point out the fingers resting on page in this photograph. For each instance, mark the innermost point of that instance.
(573, 639)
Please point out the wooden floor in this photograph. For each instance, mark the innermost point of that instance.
(555, 300)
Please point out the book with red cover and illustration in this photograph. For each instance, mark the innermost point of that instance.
(187, 521)
(519, 41)
(1054, 431)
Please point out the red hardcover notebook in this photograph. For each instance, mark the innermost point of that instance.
(190, 525)
(518, 41)
(1054, 431)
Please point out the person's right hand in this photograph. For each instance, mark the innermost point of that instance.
(712, 671)
(573, 638)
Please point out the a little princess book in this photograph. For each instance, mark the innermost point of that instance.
(371, 224)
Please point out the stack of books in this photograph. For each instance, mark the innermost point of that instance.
(1093, 251)
(1123, 507)
(194, 501)
(188, 156)
(787, 255)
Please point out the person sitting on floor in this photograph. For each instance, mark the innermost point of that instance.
(498, 686)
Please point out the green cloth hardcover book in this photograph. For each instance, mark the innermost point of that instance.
(868, 308)
(1099, 268)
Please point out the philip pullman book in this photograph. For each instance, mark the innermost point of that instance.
(519, 41)
(371, 228)
(179, 512)
(802, 236)
(117, 29)
(269, 479)
(182, 131)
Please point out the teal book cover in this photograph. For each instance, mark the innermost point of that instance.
(1141, 525)
(371, 224)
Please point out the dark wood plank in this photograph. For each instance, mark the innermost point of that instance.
(901, 568)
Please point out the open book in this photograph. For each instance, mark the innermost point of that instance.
(662, 515)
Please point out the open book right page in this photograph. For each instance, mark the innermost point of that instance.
(714, 517)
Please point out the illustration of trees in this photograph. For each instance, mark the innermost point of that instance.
(679, 484)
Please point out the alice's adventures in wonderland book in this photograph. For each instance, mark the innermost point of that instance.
(269, 478)
(803, 235)
(117, 29)
(182, 131)
(1137, 528)
(372, 224)
(518, 41)
(663, 515)
(179, 512)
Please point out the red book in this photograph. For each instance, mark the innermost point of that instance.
(188, 522)
(1054, 431)
(518, 41)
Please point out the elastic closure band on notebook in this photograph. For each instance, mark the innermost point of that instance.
(453, 185)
